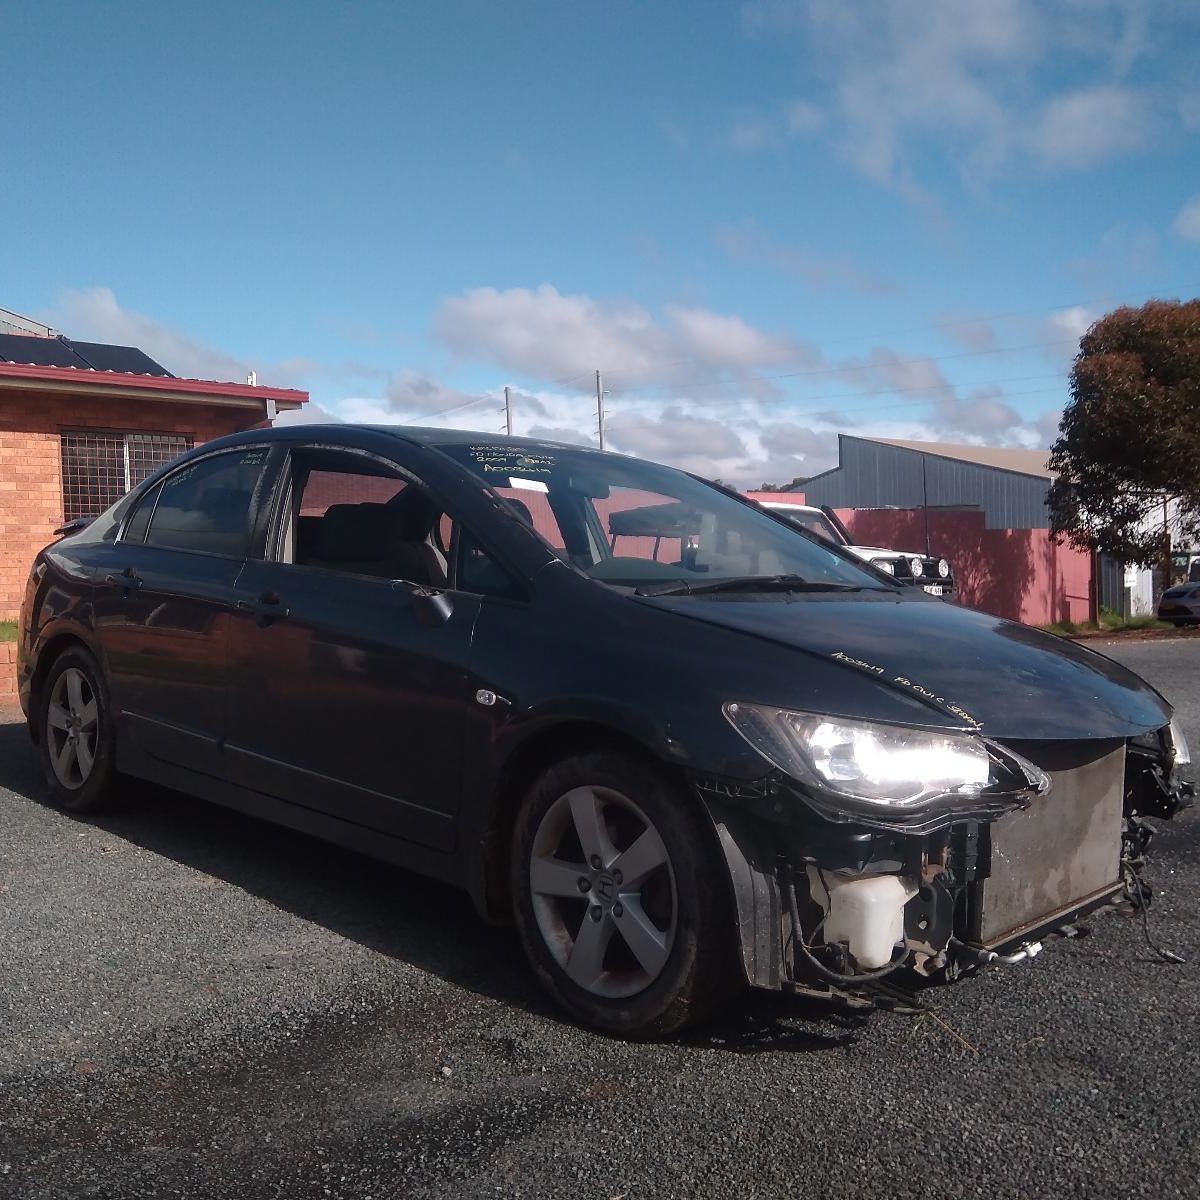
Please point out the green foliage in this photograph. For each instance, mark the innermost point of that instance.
(1110, 622)
(8, 631)
(1131, 433)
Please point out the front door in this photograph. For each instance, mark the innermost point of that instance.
(347, 699)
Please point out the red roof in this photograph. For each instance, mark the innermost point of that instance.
(151, 387)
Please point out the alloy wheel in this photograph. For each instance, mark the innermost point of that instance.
(73, 728)
(603, 892)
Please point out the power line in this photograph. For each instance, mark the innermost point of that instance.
(437, 412)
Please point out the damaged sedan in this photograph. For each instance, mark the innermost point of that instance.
(683, 745)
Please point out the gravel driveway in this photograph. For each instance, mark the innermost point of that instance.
(195, 1004)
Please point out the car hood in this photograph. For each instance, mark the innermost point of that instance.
(1009, 680)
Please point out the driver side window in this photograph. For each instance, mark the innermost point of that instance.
(357, 515)
(354, 514)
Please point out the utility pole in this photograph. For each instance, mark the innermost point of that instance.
(600, 408)
(507, 410)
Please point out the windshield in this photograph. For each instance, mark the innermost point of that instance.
(631, 523)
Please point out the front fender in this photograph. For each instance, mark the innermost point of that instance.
(750, 857)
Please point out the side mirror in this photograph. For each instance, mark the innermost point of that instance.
(433, 608)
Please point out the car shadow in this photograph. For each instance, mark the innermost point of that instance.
(385, 908)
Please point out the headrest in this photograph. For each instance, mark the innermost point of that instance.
(522, 510)
(354, 533)
(413, 515)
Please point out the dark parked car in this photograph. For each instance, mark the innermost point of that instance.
(1180, 604)
(683, 765)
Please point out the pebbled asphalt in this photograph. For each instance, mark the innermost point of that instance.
(196, 1004)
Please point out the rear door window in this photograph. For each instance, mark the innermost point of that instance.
(208, 506)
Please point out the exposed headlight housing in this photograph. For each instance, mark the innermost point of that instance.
(885, 566)
(943, 568)
(916, 566)
(1181, 756)
(885, 770)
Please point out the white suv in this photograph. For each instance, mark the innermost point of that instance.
(907, 566)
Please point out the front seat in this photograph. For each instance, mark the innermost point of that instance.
(413, 557)
(355, 537)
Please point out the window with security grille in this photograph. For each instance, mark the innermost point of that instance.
(99, 468)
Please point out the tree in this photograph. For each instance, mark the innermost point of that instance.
(784, 487)
(1130, 436)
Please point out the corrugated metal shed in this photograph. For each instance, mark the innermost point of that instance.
(883, 473)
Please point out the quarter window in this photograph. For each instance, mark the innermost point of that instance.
(135, 528)
(209, 505)
(99, 468)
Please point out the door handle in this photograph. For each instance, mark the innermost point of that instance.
(127, 579)
(267, 608)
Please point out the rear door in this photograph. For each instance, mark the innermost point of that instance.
(349, 697)
(164, 599)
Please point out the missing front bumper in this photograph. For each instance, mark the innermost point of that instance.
(984, 889)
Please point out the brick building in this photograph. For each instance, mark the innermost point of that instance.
(82, 422)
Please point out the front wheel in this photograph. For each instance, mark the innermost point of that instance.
(622, 899)
(76, 734)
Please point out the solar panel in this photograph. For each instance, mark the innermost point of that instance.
(39, 351)
(103, 357)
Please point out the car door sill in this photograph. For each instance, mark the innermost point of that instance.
(372, 811)
(363, 840)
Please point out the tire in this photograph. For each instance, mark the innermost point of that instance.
(76, 734)
(580, 916)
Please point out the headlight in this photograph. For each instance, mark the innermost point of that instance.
(1183, 756)
(885, 566)
(916, 566)
(885, 765)
(943, 568)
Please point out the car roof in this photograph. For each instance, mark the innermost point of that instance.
(420, 435)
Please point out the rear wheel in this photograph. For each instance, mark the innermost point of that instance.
(622, 899)
(76, 734)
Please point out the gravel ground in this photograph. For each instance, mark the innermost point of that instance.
(195, 1004)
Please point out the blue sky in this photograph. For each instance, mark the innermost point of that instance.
(765, 222)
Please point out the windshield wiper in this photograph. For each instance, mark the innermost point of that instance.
(751, 583)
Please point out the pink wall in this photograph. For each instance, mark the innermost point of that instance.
(777, 497)
(1016, 573)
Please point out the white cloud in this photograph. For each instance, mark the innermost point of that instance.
(1189, 110)
(899, 83)
(749, 244)
(93, 314)
(1070, 323)
(802, 116)
(1060, 333)
(971, 332)
(752, 133)
(308, 414)
(1187, 222)
(718, 340)
(744, 440)
(665, 407)
(1087, 127)
(543, 334)
(983, 415)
